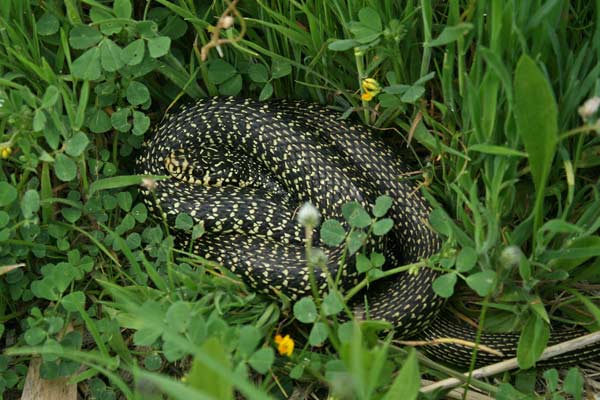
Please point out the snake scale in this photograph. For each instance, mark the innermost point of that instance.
(242, 168)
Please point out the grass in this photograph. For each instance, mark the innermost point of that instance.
(488, 93)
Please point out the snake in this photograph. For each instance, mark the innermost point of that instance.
(242, 167)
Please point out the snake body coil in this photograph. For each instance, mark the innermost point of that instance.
(242, 168)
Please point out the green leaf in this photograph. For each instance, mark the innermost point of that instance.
(440, 221)
(137, 93)
(356, 215)
(87, 66)
(551, 377)
(363, 34)
(318, 334)
(139, 212)
(51, 96)
(39, 120)
(34, 336)
(8, 194)
(536, 115)
(147, 28)
(356, 239)
(159, 46)
(369, 17)
(147, 336)
(382, 205)
(76, 144)
(412, 94)
(533, 340)
(120, 119)
(4, 218)
(295, 373)
(133, 53)
(111, 55)
(125, 200)
(443, 285)
(116, 183)
(141, 123)
(482, 282)
(450, 34)
(258, 73)
(507, 392)
(206, 379)
(279, 69)
(536, 304)
(47, 24)
(332, 232)
(30, 203)
(382, 226)
(178, 316)
(99, 121)
(73, 302)
(573, 384)
(262, 360)
(65, 168)
(249, 338)
(377, 259)
(231, 87)
(122, 8)
(184, 222)
(71, 214)
(84, 36)
(407, 383)
(466, 260)
(343, 45)
(332, 304)
(363, 264)
(396, 89)
(496, 150)
(220, 71)
(266, 92)
(305, 310)
(389, 100)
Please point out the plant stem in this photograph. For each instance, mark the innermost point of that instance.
(352, 292)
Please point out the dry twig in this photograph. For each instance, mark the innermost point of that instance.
(225, 21)
(512, 363)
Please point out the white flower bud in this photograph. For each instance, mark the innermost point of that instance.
(227, 22)
(308, 215)
(148, 184)
(589, 108)
(510, 256)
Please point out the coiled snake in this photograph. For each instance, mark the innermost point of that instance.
(242, 168)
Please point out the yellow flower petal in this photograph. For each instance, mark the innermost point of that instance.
(285, 345)
(5, 152)
(367, 96)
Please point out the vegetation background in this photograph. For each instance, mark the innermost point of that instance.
(488, 93)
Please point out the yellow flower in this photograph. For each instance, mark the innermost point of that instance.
(370, 89)
(285, 345)
(5, 152)
(367, 96)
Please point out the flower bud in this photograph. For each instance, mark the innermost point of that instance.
(510, 256)
(589, 108)
(227, 22)
(308, 215)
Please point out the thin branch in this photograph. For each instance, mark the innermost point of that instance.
(458, 393)
(225, 21)
(512, 363)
